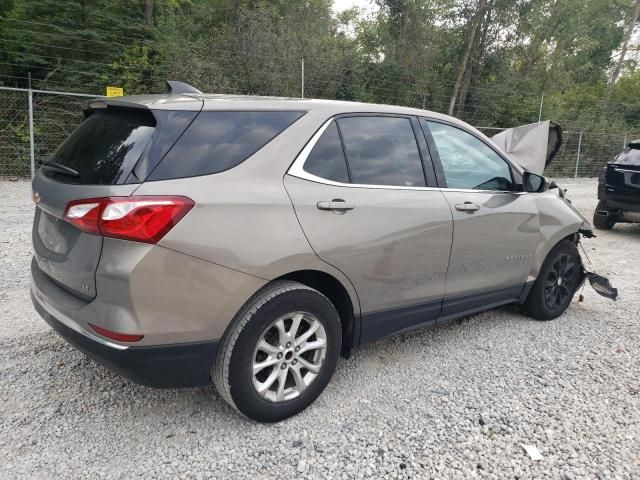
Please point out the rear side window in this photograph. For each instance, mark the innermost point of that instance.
(103, 149)
(382, 151)
(217, 141)
(326, 160)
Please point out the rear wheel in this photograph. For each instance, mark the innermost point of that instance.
(603, 222)
(279, 353)
(556, 284)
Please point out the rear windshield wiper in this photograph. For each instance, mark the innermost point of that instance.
(58, 167)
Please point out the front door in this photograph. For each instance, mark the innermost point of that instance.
(372, 216)
(496, 229)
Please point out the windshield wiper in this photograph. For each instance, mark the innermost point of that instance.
(61, 168)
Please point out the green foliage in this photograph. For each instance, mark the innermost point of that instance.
(408, 52)
(627, 94)
(67, 43)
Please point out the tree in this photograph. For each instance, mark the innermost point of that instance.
(149, 6)
(623, 52)
(70, 43)
(486, 61)
(471, 45)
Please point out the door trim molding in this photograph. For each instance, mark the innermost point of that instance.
(467, 304)
(384, 323)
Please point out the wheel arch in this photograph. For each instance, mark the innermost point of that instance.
(570, 233)
(342, 300)
(559, 220)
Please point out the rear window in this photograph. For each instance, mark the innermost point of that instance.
(218, 141)
(103, 149)
(631, 156)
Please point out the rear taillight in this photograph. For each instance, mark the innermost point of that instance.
(141, 219)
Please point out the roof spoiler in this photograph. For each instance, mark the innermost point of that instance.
(533, 146)
(174, 86)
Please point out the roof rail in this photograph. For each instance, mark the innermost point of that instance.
(173, 86)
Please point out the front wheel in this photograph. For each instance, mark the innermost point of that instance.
(279, 353)
(556, 284)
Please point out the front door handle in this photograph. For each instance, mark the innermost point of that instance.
(467, 207)
(337, 205)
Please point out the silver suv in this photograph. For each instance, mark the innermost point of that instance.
(184, 239)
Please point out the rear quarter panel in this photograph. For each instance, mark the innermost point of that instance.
(168, 296)
(243, 218)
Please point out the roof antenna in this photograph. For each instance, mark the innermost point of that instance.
(173, 86)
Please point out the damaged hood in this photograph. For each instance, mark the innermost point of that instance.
(532, 146)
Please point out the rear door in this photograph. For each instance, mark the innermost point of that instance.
(367, 207)
(96, 160)
(496, 228)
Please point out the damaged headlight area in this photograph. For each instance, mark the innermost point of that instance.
(599, 283)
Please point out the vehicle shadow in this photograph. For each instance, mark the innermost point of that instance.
(74, 381)
(628, 230)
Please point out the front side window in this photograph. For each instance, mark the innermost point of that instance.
(467, 162)
(326, 160)
(382, 151)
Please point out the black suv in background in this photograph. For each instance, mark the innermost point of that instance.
(619, 189)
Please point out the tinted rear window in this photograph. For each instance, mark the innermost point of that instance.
(382, 151)
(104, 148)
(326, 160)
(218, 141)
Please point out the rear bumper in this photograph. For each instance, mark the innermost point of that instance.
(614, 204)
(165, 366)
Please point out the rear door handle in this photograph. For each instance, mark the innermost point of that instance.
(337, 205)
(467, 207)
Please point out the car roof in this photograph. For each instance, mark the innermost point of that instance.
(219, 102)
(208, 102)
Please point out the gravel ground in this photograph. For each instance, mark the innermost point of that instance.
(456, 401)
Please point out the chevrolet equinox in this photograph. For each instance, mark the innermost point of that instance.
(183, 239)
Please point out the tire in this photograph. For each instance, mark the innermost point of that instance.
(283, 304)
(554, 288)
(602, 222)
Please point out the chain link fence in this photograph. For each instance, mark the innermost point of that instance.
(52, 117)
(14, 134)
(56, 114)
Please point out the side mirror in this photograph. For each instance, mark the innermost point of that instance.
(534, 183)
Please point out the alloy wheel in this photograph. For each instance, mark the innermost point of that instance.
(560, 281)
(289, 356)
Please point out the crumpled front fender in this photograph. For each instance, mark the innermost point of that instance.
(558, 219)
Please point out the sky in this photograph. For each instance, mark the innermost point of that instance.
(340, 5)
